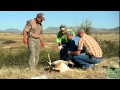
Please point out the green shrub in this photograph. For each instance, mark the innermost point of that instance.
(110, 49)
(18, 59)
(8, 42)
(21, 58)
(2, 57)
(54, 55)
(87, 26)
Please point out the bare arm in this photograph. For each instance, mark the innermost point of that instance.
(25, 30)
(25, 41)
(74, 52)
(42, 43)
(80, 47)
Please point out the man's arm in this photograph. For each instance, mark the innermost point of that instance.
(59, 44)
(78, 51)
(58, 40)
(74, 52)
(42, 43)
(25, 41)
(26, 29)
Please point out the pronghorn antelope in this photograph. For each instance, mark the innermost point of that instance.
(59, 65)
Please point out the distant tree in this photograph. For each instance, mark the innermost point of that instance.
(87, 26)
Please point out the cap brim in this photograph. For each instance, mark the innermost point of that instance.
(43, 18)
(63, 29)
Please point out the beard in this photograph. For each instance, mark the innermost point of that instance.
(38, 22)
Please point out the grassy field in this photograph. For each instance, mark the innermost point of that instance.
(14, 58)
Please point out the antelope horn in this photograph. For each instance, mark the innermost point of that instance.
(49, 61)
(49, 58)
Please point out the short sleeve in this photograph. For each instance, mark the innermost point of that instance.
(59, 37)
(80, 44)
(28, 26)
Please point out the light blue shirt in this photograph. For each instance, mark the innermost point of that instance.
(76, 39)
(74, 43)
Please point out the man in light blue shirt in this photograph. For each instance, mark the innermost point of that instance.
(73, 44)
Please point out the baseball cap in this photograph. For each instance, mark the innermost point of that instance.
(81, 30)
(63, 27)
(69, 33)
(41, 15)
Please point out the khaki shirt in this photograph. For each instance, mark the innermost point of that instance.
(33, 29)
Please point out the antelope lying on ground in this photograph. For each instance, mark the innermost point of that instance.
(59, 65)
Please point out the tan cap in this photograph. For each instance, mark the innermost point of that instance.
(40, 15)
(69, 33)
(81, 30)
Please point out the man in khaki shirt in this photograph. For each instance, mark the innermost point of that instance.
(32, 36)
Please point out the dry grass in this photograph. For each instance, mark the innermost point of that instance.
(17, 73)
(24, 73)
(106, 37)
(48, 38)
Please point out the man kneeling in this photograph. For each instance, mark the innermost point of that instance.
(92, 54)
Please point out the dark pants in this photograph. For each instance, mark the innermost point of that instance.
(63, 53)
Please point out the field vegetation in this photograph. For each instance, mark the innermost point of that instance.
(14, 58)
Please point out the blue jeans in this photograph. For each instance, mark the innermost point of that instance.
(84, 60)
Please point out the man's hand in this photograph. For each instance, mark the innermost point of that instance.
(42, 44)
(60, 47)
(69, 52)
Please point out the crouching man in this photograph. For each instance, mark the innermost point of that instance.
(92, 54)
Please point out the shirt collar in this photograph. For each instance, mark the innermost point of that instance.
(84, 35)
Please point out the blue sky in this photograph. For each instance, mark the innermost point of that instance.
(100, 19)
